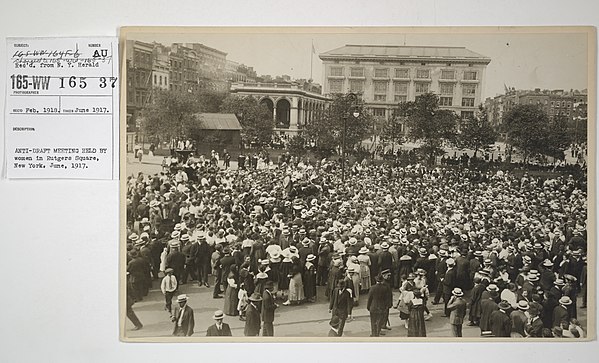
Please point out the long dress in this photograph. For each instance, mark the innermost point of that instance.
(296, 288)
(284, 271)
(231, 298)
(416, 327)
(364, 271)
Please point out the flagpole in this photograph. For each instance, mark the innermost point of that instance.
(311, 58)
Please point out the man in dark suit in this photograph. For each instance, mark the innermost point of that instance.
(252, 316)
(341, 304)
(487, 307)
(441, 268)
(457, 308)
(462, 267)
(560, 312)
(501, 324)
(378, 303)
(449, 283)
(219, 329)
(183, 318)
(535, 328)
(268, 310)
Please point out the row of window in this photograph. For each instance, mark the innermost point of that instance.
(400, 88)
(381, 112)
(158, 80)
(402, 73)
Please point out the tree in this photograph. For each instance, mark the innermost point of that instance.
(392, 133)
(327, 131)
(297, 146)
(429, 125)
(170, 115)
(476, 133)
(255, 119)
(533, 134)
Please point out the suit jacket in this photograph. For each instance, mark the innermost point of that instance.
(187, 324)
(268, 307)
(487, 307)
(462, 267)
(252, 321)
(560, 314)
(378, 298)
(449, 281)
(341, 303)
(213, 331)
(501, 325)
(457, 308)
(519, 321)
(535, 329)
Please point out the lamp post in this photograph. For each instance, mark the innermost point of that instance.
(356, 113)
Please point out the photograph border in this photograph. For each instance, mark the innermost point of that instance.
(591, 34)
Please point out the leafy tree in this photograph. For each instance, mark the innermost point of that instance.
(297, 146)
(170, 114)
(391, 132)
(533, 134)
(476, 133)
(210, 101)
(255, 119)
(428, 124)
(327, 131)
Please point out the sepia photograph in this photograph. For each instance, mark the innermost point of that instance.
(357, 184)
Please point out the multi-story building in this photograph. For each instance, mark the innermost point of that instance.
(569, 104)
(385, 75)
(139, 78)
(211, 67)
(160, 67)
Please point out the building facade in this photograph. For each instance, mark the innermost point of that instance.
(292, 105)
(385, 75)
(569, 104)
(139, 58)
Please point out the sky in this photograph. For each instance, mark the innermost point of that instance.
(546, 59)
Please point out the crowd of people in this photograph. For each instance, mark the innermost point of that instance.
(501, 252)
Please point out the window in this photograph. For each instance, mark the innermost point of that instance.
(381, 73)
(357, 72)
(401, 88)
(557, 104)
(445, 101)
(400, 98)
(447, 89)
(422, 87)
(402, 73)
(380, 98)
(337, 71)
(552, 104)
(155, 79)
(380, 87)
(470, 75)
(447, 74)
(160, 80)
(378, 112)
(569, 104)
(563, 103)
(423, 74)
(336, 86)
(467, 102)
(467, 114)
(468, 89)
(356, 85)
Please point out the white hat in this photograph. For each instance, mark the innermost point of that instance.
(182, 297)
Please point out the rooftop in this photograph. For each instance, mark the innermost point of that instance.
(218, 121)
(404, 52)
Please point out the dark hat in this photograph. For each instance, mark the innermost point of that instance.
(504, 305)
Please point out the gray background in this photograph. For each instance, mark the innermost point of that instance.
(59, 239)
